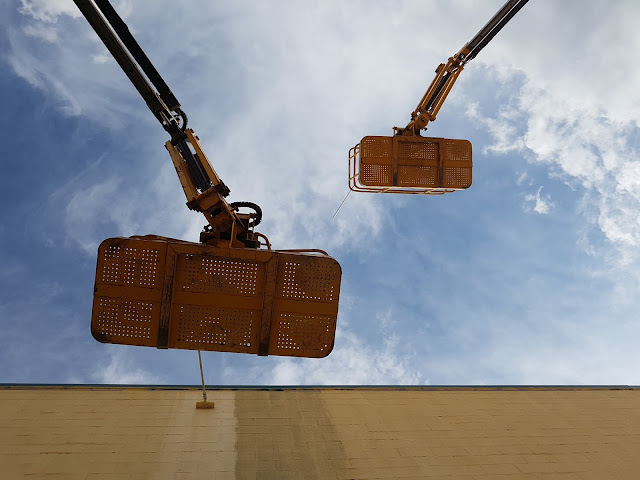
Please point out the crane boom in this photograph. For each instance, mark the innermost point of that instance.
(125, 50)
(228, 295)
(410, 163)
(447, 74)
(204, 189)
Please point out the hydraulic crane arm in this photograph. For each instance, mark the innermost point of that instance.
(228, 295)
(204, 189)
(447, 74)
(410, 163)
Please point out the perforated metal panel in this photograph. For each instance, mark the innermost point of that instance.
(457, 177)
(308, 281)
(376, 165)
(457, 164)
(377, 147)
(205, 274)
(422, 176)
(419, 150)
(457, 150)
(297, 332)
(136, 267)
(130, 265)
(376, 174)
(154, 291)
(205, 327)
(126, 321)
(413, 164)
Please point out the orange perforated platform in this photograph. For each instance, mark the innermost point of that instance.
(165, 293)
(410, 164)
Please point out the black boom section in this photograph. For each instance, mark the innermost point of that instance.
(120, 54)
(123, 33)
(493, 26)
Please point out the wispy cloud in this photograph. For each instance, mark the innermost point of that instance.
(540, 205)
(48, 10)
(355, 360)
(120, 371)
(47, 34)
(587, 150)
(585, 132)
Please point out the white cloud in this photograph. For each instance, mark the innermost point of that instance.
(48, 10)
(579, 107)
(353, 361)
(47, 34)
(102, 58)
(584, 148)
(89, 207)
(502, 127)
(121, 371)
(524, 179)
(541, 205)
(39, 75)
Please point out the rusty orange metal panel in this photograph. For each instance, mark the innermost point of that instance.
(456, 164)
(410, 164)
(154, 291)
(376, 161)
(417, 162)
(128, 291)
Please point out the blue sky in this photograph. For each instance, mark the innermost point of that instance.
(528, 277)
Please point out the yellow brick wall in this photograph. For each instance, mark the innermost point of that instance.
(140, 433)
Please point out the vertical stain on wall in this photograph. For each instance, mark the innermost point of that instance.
(286, 436)
(195, 440)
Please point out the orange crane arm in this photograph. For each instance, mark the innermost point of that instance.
(447, 73)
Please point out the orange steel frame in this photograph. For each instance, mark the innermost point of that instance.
(225, 293)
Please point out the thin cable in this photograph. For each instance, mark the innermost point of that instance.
(345, 199)
(204, 392)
